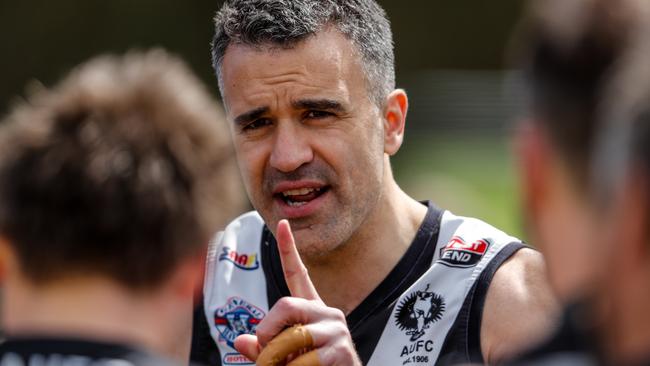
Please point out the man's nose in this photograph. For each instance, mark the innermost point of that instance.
(291, 148)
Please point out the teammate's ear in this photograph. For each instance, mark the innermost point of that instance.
(395, 120)
(5, 254)
(631, 218)
(187, 280)
(530, 151)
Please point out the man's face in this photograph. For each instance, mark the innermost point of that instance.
(559, 216)
(309, 140)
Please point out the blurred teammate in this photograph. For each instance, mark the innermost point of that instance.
(309, 91)
(584, 163)
(110, 185)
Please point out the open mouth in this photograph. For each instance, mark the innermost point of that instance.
(301, 196)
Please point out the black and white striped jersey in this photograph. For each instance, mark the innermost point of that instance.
(427, 311)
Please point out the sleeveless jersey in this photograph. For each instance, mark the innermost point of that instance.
(427, 311)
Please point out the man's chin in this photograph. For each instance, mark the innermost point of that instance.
(316, 248)
(310, 244)
(305, 236)
(313, 238)
(312, 253)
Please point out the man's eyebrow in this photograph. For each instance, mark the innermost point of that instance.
(251, 115)
(324, 104)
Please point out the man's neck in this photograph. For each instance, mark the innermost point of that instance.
(345, 278)
(624, 318)
(93, 309)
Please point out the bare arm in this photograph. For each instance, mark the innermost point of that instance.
(520, 308)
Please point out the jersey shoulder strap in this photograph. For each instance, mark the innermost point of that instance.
(235, 300)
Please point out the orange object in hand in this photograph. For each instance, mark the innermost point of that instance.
(292, 340)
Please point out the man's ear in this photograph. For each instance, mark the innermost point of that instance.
(6, 255)
(631, 215)
(395, 120)
(531, 150)
(187, 280)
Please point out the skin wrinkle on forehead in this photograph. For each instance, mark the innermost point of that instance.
(284, 86)
(299, 70)
(371, 74)
(305, 76)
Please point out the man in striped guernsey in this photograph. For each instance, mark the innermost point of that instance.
(309, 91)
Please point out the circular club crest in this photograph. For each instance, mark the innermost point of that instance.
(418, 311)
(235, 318)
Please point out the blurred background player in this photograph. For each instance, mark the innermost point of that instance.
(111, 184)
(584, 166)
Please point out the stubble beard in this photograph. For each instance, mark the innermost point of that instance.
(329, 238)
(337, 226)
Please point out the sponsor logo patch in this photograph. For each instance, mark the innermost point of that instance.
(247, 262)
(235, 318)
(414, 315)
(458, 253)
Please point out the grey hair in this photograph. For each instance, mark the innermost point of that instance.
(285, 23)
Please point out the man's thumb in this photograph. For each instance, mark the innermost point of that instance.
(247, 345)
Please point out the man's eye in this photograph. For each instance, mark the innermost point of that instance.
(317, 114)
(258, 123)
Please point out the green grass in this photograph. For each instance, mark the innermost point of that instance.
(471, 176)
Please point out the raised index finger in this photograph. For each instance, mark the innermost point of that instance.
(294, 270)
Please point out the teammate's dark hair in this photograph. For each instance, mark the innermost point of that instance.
(283, 23)
(121, 171)
(641, 139)
(569, 51)
(641, 152)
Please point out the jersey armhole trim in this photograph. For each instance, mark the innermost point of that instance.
(477, 301)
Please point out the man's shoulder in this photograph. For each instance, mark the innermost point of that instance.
(475, 241)
(473, 228)
(249, 221)
(235, 250)
(243, 229)
(519, 279)
(520, 308)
